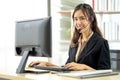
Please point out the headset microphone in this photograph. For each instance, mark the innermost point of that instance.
(82, 30)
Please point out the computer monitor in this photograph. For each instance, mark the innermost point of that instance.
(33, 37)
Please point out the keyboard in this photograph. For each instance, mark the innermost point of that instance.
(52, 68)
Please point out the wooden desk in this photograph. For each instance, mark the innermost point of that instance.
(49, 76)
(12, 77)
(10, 73)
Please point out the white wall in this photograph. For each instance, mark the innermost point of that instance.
(11, 11)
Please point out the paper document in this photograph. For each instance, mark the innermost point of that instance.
(33, 70)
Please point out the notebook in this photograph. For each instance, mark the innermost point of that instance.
(89, 73)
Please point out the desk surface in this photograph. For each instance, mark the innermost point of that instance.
(49, 76)
(10, 74)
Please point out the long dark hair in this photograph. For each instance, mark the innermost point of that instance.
(88, 12)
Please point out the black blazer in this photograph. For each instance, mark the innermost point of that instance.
(95, 54)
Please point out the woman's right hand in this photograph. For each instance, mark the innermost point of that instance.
(41, 63)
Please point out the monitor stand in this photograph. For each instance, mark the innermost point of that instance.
(22, 64)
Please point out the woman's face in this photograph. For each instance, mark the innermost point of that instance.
(81, 21)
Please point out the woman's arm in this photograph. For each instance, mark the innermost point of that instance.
(77, 67)
(41, 63)
(104, 57)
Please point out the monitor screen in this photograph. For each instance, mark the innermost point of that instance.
(33, 37)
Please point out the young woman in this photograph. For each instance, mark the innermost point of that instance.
(88, 49)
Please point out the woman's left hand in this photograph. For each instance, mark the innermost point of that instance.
(77, 67)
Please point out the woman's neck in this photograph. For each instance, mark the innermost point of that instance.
(85, 35)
